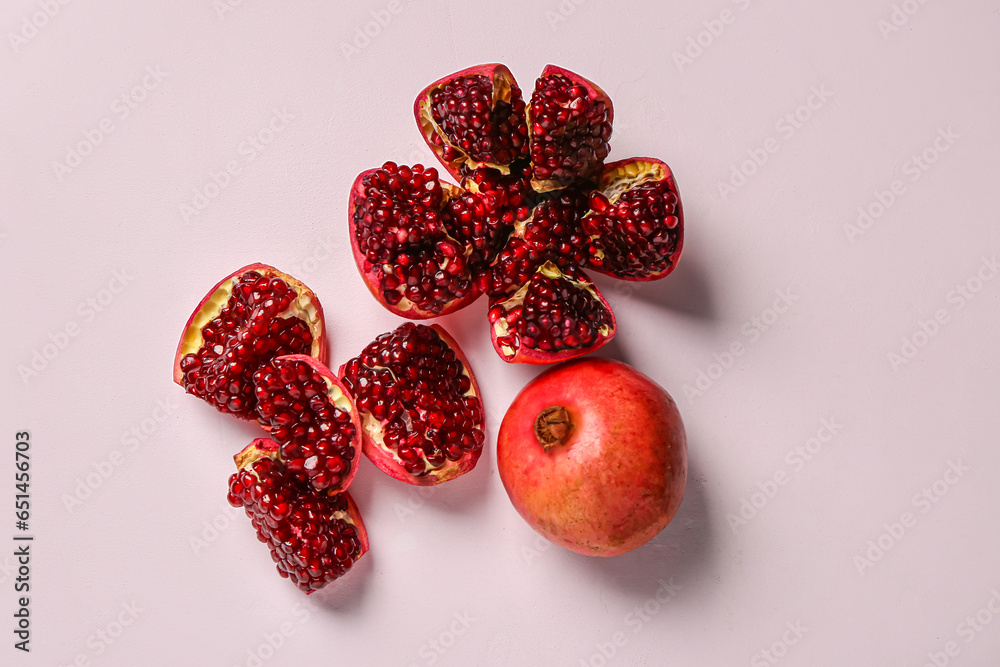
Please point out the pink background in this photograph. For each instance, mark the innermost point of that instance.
(454, 576)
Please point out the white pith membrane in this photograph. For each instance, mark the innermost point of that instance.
(301, 307)
(251, 454)
(549, 270)
(501, 93)
(632, 174)
(373, 427)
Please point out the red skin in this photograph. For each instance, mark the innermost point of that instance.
(371, 277)
(319, 335)
(384, 460)
(618, 478)
(262, 447)
(355, 415)
(669, 178)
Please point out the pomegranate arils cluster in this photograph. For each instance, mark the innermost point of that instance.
(314, 536)
(419, 404)
(244, 333)
(535, 189)
(317, 438)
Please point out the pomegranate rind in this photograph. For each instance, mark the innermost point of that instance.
(595, 92)
(526, 355)
(306, 303)
(502, 79)
(387, 461)
(619, 476)
(623, 175)
(405, 307)
(339, 395)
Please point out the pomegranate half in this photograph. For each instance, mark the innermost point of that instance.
(593, 456)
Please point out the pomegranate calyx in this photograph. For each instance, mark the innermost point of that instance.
(553, 426)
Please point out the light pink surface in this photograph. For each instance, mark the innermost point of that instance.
(454, 577)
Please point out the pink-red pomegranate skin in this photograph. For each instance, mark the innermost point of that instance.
(614, 477)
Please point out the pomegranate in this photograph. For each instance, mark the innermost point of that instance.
(556, 314)
(570, 125)
(635, 223)
(420, 407)
(534, 193)
(593, 456)
(311, 417)
(247, 319)
(314, 535)
(474, 118)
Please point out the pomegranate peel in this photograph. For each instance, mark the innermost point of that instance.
(246, 327)
(312, 418)
(422, 414)
(314, 536)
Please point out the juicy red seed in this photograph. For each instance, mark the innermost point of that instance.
(400, 229)
(569, 130)
(412, 381)
(312, 538)
(556, 315)
(315, 437)
(464, 110)
(246, 334)
(638, 235)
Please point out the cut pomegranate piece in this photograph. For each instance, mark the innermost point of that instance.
(402, 245)
(421, 410)
(314, 536)
(569, 121)
(474, 118)
(636, 222)
(557, 314)
(312, 418)
(247, 319)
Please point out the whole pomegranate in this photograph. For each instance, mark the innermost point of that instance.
(593, 456)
